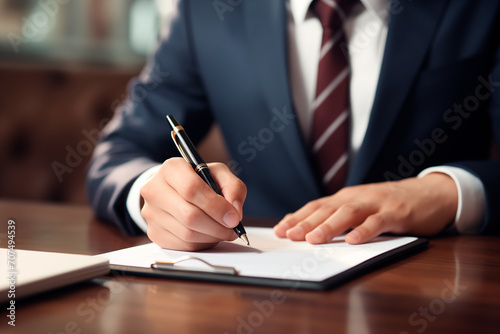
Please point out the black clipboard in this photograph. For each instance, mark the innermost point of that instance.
(170, 271)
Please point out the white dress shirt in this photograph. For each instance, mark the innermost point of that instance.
(366, 32)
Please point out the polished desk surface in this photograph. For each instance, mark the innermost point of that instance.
(452, 287)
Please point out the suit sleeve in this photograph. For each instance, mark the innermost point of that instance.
(138, 136)
(489, 171)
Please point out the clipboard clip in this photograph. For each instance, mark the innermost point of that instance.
(171, 265)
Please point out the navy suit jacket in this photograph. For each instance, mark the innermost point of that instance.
(437, 103)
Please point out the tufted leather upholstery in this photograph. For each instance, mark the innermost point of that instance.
(43, 116)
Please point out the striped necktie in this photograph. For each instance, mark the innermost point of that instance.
(330, 128)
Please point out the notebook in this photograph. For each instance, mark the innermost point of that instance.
(269, 261)
(26, 272)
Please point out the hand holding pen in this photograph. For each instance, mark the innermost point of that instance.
(184, 213)
(192, 157)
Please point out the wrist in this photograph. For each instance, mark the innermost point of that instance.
(442, 188)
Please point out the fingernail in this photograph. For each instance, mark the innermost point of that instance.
(284, 226)
(297, 232)
(231, 219)
(317, 235)
(354, 235)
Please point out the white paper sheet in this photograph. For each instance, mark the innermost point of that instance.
(268, 256)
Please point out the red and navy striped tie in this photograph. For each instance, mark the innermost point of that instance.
(330, 128)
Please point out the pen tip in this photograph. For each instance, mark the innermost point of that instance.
(245, 238)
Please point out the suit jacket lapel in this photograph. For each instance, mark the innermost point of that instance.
(408, 40)
(266, 25)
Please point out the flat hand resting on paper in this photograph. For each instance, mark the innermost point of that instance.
(184, 213)
(412, 206)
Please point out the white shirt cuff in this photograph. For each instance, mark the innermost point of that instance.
(134, 198)
(471, 198)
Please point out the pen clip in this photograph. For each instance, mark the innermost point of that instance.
(179, 147)
(170, 265)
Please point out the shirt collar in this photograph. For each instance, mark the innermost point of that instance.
(300, 8)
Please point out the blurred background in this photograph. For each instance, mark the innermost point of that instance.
(64, 67)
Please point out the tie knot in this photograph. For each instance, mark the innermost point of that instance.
(332, 13)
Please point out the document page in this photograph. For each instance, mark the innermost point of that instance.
(268, 256)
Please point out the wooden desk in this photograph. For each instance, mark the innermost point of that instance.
(453, 287)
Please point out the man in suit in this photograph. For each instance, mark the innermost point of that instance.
(422, 108)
